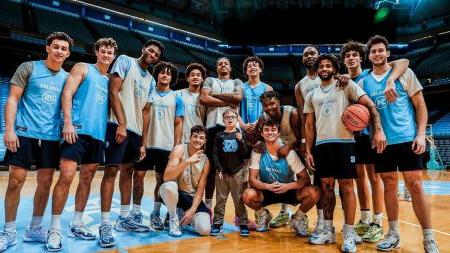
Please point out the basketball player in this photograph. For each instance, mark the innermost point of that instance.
(352, 55)
(404, 123)
(272, 180)
(85, 110)
(164, 128)
(333, 154)
(302, 88)
(33, 133)
(130, 85)
(218, 94)
(184, 184)
(194, 112)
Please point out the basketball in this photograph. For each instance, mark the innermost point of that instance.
(356, 117)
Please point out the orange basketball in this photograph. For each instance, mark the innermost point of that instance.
(356, 117)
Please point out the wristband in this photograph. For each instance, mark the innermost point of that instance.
(303, 141)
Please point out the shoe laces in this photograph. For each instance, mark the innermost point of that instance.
(174, 223)
(390, 236)
(54, 238)
(105, 231)
(6, 237)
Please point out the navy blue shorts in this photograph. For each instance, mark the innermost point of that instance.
(336, 160)
(185, 202)
(364, 152)
(289, 197)
(85, 150)
(154, 158)
(398, 157)
(42, 153)
(120, 153)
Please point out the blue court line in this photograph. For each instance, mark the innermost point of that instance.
(433, 187)
(92, 219)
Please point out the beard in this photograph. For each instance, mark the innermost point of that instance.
(327, 77)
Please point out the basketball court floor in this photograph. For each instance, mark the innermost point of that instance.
(437, 186)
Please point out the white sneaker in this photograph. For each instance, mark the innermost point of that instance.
(430, 246)
(174, 227)
(81, 231)
(262, 222)
(391, 241)
(38, 234)
(407, 195)
(54, 241)
(7, 239)
(300, 226)
(358, 239)
(325, 236)
(318, 228)
(349, 244)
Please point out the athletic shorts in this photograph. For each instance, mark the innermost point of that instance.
(364, 152)
(120, 153)
(154, 158)
(185, 202)
(398, 156)
(85, 150)
(42, 153)
(336, 160)
(289, 197)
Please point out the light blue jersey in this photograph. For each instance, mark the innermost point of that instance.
(90, 104)
(251, 107)
(39, 109)
(363, 74)
(397, 118)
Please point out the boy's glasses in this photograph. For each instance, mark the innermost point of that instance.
(230, 117)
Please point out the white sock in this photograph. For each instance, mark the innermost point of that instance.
(299, 214)
(157, 208)
(56, 222)
(36, 221)
(394, 226)
(320, 216)
(428, 234)
(208, 203)
(10, 226)
(365, 216)
(124, 211)
(283, 208)
(77, 218)
(347, 228)
(378, 219)
(136, 208)
(261, 211)
(328, 224)
(105, 217)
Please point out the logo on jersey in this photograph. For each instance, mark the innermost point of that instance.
(381, 102)
(326, 111)
(49, 97)
(138, 88)
(230, 146)
(352, 159)
(100, 98)
(160, 114)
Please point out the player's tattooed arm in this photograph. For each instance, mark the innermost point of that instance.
(379, 139)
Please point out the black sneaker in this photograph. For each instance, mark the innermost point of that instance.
(166, 222)
(244, 230)
(216, 229)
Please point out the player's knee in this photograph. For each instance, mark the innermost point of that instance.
(15, 184)
(390, 181)
(110, 174)
(415, 186)
(249, 196)
(202, 224)
(311, 192)
(168, 188)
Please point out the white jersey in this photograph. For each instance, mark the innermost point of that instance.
(328, 104)
(213, 113)
(193, 112)
(165, 107)
(190, 177)
(134, 94)
(308, 84)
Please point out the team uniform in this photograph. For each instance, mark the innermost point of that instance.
(334, 151)
(89, 118)
(397, 119)
(185, 188)
(134, 94)
(307, 84)
(194, 112)
(274, 169)
(251, 108)
(38, 118)
(166, 105)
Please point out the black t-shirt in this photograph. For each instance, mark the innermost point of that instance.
(229, 153)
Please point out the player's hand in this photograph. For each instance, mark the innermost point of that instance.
(418, 146)
(121, 133)
(342, 80)
(238, 136)
(11, 141)
(250, 128)
(272, 187)
(187, 218)
(142, 152)
(389, 92)
(281, 188)
(69, 133)
(379, 141)
(260, 147)
(196, 157)
(302, 149)
(283, 151)
(309, 159)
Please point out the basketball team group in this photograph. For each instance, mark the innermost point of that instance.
(218, 135)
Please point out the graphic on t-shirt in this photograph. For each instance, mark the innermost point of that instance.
(138, 88)
(49, 97)
(230, 145)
